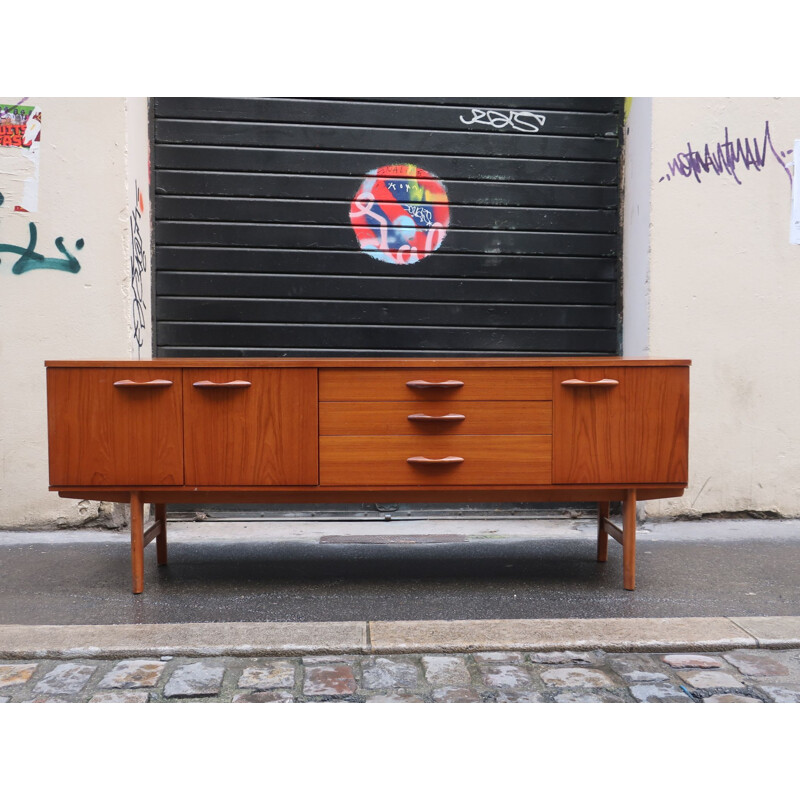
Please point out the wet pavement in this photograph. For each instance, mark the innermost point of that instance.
(416, 570)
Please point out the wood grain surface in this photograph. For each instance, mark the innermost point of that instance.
(382, 460)
(479, 384)
(479, 417)
(106, 435)
(635, 432)
(264, 434)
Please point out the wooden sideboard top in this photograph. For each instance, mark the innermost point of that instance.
(482, 361)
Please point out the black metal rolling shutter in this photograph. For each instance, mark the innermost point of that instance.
(256, 256)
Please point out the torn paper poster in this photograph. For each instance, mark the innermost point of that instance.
(20, 140)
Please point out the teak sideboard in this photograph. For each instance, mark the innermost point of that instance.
(369, 430)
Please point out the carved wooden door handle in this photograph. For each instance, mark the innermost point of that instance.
(221, 385)
(445, 460)
(155, 383)
(602, 382)
(442, 418)
(434, 385)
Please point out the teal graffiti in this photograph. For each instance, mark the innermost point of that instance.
(29, 259)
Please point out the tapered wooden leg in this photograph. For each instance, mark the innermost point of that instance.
(161, 539)
(629, 540)
(602, 536)
(137, 542)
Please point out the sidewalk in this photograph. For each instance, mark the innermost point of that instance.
(322, 571)
(274, 614)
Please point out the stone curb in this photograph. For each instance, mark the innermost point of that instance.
(183, 639)
(406, 636)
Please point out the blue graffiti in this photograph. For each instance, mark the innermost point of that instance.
(29, 259)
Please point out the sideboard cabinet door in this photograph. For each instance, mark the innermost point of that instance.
(114, 426)
(250, 427)
(620, 425)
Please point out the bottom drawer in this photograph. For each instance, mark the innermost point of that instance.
(383, 460)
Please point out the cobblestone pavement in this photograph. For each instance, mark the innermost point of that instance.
(736, 676)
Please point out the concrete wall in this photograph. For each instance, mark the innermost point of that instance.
(709, 274)
(91, 153)
(707, 257)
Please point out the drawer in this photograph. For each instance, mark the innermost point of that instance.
(432, 417)
(383, 460)
(435, 383)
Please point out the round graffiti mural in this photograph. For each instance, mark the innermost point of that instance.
(400, 213)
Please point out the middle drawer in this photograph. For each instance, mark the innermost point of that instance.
(435, 417)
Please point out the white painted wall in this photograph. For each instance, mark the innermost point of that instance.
(722, 288)
(708, 275)
(91, 150)
(636, 160)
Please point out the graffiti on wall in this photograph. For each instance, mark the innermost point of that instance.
(728, 157)
(524, 121)
(400, 213)
(138, 268)
(20, 138)
(794, 219)
(29, 259)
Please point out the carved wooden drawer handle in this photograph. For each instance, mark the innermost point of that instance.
(155, 383)
(602, 382)
(445, 460)
(435, 385)
(443, 418)
(223, 385)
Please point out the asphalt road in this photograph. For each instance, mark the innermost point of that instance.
(460, 569)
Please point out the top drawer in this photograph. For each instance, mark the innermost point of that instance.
(432, 383)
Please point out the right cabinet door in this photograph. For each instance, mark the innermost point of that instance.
(625, 425)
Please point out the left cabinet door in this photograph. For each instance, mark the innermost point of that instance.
(250, 427)
(115, 426)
